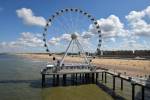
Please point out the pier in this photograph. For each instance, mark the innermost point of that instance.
(86, 76)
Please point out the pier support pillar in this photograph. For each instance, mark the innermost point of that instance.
(133, 90)
(43, 80)
(71, 79)
(88, 78)
(105, 77)
(93, 78)
(143, 90)
(64, 79)
(57, 79)
(96, 78)
(54, 83)
(76, 78)
(83, 78)
(80, 77)
(121, 84)
(102, 76)
(114, 82)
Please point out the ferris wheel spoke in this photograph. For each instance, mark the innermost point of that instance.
(63, 26)
(81, 24)
(71, 24)
(67, 23)
(76, 22)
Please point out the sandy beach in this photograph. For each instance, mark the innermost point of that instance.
(140, 68)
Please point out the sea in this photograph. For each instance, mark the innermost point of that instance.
(20, 78)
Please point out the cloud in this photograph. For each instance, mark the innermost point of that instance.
(30, 40)
(113, 39)
(29, 18)
(27, 39)
(87, 35)
(110, 27)
(84, 41)
(137, 22)
(65, 37)
(138, 26)
(114, 33)
(54, 41)
(133, 45)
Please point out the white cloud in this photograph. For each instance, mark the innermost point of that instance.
(133, 45)
(130, 37)
(110, 27)
(87, 35)
(29, 18)
(27, 42)
(114, 34)
(54, 41)
(84, 41)
(137, 22)
(113, 39)
(65, 37)
(27, 39)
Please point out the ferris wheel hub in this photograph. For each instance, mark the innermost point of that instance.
(73, 36)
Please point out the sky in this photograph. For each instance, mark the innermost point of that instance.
(125, 24)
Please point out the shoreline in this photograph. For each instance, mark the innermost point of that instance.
(135, 68)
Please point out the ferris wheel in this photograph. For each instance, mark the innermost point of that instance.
(72, 31)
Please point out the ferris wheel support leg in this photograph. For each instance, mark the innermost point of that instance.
(81, 49)
(65, 54)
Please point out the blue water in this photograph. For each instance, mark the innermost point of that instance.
(20, 78)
